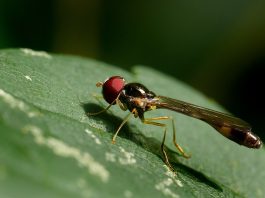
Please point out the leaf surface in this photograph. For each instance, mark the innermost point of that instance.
(49, 148)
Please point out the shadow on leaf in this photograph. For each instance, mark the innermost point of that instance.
(150, 144)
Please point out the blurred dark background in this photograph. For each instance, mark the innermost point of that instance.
(217, 47)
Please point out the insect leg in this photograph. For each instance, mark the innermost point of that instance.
(97, 113)
(121, 125)
(157, 118)
(175, 142)
(174, 133)
(148, 121)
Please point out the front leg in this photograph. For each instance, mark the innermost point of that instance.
(134, 111)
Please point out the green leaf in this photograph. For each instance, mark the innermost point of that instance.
(49, 148)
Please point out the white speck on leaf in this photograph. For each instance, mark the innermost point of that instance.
(62, 149)
(15, 103)
(169, 173)
(173, 176)
(36, 53)
(28, 78)
(164, 185)
(96, 125)
(82, 118)
(90, 133)
(128, 157)
(110, 157)
(128, 194)
(178, 182)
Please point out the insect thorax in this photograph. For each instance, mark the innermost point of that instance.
(137, 96)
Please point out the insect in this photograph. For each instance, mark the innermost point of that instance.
(136, 98)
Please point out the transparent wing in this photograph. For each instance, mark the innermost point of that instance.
(210, 116)
(229, 126)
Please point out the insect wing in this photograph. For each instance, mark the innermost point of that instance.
(231, 127)
(205, 114)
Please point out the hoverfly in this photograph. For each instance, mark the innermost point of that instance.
(136, 98)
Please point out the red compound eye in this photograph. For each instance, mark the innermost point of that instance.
(112, 87)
